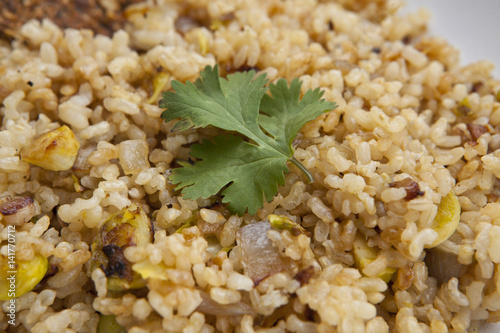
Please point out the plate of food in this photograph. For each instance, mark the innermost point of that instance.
(244, 166)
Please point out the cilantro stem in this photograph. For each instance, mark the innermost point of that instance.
(302, 168)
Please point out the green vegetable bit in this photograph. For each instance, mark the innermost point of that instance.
(28, 274)
(247, 170)
(108, 324)
(188, 224)
(365, 255)
(128, 227)
(282, 222)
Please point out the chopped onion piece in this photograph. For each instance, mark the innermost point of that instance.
(210, 307)
(259, 257)
(134, 156)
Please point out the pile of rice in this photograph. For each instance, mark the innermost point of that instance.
(406, 110)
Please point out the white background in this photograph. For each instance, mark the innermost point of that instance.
(473, 26)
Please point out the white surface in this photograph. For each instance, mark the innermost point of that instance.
(473, 26)
(490, 328)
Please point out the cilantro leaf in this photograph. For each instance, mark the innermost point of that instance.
(232, 104)
(284, 105)
(246, 172)
(252, 171)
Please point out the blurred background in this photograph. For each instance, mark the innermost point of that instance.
(470, 25)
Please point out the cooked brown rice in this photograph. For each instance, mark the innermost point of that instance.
(412, 126)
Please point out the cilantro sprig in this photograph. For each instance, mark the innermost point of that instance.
(247, 170)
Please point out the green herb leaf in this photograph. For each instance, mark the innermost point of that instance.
(253, 172)
(248, 171)
(284, 113)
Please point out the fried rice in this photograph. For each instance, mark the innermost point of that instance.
(412, 128)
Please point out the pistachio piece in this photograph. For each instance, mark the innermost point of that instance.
(284, 223)
(463, 108)
(18, 210)
(129, 227)
(28, 273)
(364, 255)
(55, 150)
(108, 324)
(446, 221)
(148, 270)
(159, 83)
